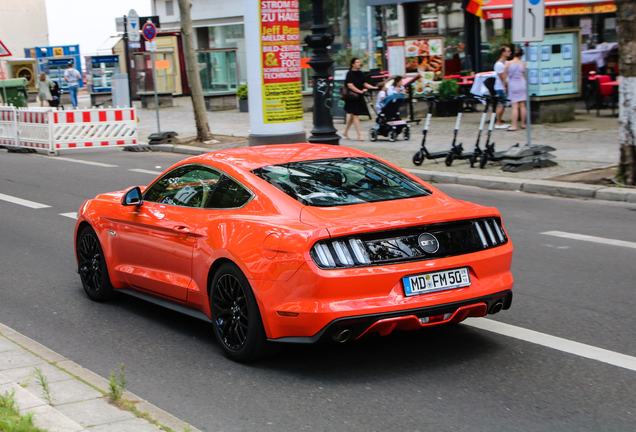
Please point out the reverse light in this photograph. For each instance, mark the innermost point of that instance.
(436, 318)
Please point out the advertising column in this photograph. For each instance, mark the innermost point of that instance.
(274, 74)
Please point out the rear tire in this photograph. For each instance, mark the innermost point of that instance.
(91, 266)
(407, 134)
(235, 316)
(418, 158)
(373, 134)
(483, 161)
(392, 136)
(450, 158)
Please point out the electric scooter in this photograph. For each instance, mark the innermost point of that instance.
(423, 153)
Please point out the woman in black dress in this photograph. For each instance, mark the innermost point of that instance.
(357, 83)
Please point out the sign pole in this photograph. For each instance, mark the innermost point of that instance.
(154, 81)
(528, 115)
(4, 89)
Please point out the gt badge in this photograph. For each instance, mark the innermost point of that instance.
(428, 243)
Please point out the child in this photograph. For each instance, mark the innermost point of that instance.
(381, 96)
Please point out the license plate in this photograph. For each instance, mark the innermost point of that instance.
(436, 281)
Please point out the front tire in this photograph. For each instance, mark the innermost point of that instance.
(407, 134)
(373, 134)
(418, 158)
(449, 159)
(92, 266)
(392, 136)
(235, 316)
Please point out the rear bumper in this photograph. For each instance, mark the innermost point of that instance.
(385, 323)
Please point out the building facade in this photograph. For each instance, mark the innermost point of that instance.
(23, 24)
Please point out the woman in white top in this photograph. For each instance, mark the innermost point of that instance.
(397, 86)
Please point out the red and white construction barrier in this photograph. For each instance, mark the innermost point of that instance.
(54, 130)
(8, 125)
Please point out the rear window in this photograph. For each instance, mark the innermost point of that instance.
(335, 182)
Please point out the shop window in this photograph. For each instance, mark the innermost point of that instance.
(165, 76)
(169, 8)
(218, 71)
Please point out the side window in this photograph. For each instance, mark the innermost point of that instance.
(228, 194)
(187, 186)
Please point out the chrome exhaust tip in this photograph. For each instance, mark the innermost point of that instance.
(341, 336)
(496, 308)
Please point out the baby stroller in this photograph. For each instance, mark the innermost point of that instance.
(388, 121)
(56, 96)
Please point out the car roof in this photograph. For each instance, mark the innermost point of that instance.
(249, 158)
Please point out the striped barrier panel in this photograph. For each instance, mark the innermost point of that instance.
(78, 129)
(8, 125)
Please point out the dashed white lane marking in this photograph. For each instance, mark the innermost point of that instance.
(592, 239)
(82, 162)
(22, 202)
(557, 343)
(145, 171)
(72, 215)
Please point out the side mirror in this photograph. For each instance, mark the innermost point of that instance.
(132, 197)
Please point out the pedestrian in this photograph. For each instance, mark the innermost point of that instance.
(72, 77)
(354, 106)
(516, 86)
(500, 84)
(396, 87)
(44, 89)
(381, 95)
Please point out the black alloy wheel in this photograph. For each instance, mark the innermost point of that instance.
(235, 315)
(92, 266)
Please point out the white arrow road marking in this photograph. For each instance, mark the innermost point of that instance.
(592, 239)
(72, 215)
(22, 202)
(557, 343)
(145, 171)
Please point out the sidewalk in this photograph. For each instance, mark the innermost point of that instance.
(78, 397)
(587, 143)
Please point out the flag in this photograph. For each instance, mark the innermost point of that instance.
(473, 6)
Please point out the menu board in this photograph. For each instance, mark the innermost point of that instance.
(553, 64)
(424, 56)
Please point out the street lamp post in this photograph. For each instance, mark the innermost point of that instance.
(323, 132)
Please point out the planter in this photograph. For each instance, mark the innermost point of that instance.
(447, 108)
(243, 105)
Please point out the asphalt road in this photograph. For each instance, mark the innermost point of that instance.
(450, 378)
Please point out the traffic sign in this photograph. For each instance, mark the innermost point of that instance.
(132, 26)
(528, 20)
(149, 30)
(4, 51)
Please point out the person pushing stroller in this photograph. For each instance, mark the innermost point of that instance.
(388, 121)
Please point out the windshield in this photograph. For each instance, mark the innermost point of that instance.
(334, 182)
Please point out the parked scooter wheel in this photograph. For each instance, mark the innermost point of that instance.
(473, 160)
(407, 134)
(392, 136)
(418, 158)
(483, 161)
(450, 158)
(373, 134)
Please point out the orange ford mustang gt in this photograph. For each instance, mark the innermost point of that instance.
(296, 243)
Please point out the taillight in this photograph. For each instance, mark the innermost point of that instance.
(340, 253)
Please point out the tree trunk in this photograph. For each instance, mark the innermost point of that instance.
(626, 19)
(192, 71)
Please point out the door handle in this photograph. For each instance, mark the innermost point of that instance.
(182, 229)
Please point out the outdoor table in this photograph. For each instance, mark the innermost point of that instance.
(478, 87)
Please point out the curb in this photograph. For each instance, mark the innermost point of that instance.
(543, 187)
(160, 416)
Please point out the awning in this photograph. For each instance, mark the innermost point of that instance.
(497, 9)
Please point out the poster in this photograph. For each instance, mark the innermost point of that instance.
(396, 58)
(534, 55)
(545, 76)
(556, 75)
(534, 76)
(567, 51)
(567, 74)
(280, 61)
(545, 52)
(426, 57)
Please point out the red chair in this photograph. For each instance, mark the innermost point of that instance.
(603, 94)
(586, 68)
